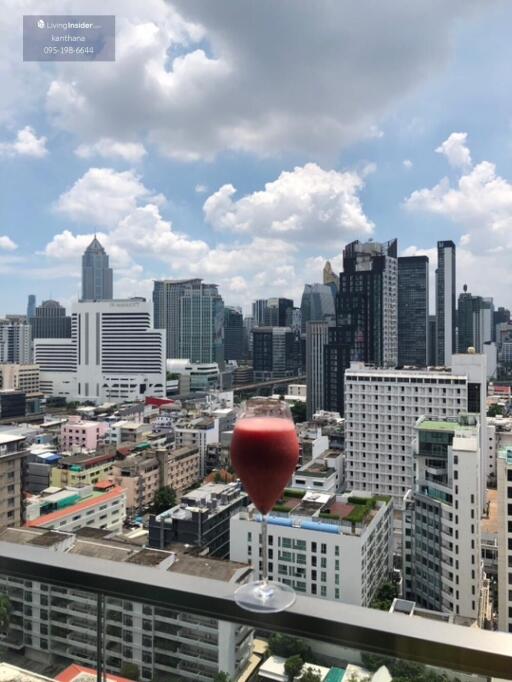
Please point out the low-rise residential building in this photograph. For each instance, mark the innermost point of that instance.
(442, 547)
(201, 519)
(316, 475)
(312, 443)
(183, 468)
(162, 643)
(198, 433)
(133, 432)
(13, 455)
(84, 469)
(39, 471)
(68, 509)
(78, 434)
(337, 547)
(142, 473)
(18, 377)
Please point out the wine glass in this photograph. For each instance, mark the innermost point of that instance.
(264, 453)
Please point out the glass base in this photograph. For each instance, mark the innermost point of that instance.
(264, 596)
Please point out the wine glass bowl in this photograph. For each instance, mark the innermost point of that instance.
(264, 453)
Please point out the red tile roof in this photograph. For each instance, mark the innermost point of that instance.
(72, 672)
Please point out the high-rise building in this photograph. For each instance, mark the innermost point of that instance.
(330, 278)
(366, 315)
(234, 338)
(432, 340)
(504, 476)
(317, 304)
(276, 353)
(97, 277)
(335, 547)
(50, 321)
(474, 321)
(317, 337)
(272, 312)
(500, 316)
(31, 306)
(15, 377)
(15, 341)
(113, 354)
(248, 327)
(413, 310)
(382, 408)
(192, 313)
(445, 302)
(443, 566)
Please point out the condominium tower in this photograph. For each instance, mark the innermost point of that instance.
(413, 310)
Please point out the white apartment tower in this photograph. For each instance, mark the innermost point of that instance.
(442, 558)
(382, 408)
(113, 354)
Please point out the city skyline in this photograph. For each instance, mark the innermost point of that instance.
(257, 214)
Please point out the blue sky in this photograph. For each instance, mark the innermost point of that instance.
(248, 143)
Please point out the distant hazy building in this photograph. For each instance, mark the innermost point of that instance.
(317, 304)
(31, 306)
(445, 302)
(413, 310)
(192, 313)
(475, 318)
(317, 336)
(432, 339)
(276, 353)
(366, 315)
(273, 312)
(50, 321)
(97, 277)
(15, 341)
(234, 337)
(330, 278)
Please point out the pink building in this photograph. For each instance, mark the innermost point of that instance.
(77, 434)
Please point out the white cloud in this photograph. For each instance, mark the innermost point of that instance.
(456, 150)
(109, 148)
(480, 205)
(26, 144)
(103, 196)
(7, 244)
(407, 163)
(201, 189)
(193, 77)
(305, 205)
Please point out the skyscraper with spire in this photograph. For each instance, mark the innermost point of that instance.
(96, 274)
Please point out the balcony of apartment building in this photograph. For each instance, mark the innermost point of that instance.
(188, 608)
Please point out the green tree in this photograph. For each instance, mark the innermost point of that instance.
(310, 674)
(293, 666)
(164, 499)
(221, 677)
(298, 410)
(286, 646)
(130, 670)
(5, 610)
(495, 410)
(384, 596)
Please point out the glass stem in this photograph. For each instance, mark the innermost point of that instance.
(264, 550)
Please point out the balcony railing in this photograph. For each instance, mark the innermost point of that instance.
(430, 642)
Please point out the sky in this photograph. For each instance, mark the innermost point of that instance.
(246, 143)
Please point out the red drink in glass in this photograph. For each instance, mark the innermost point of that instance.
(264, 453)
